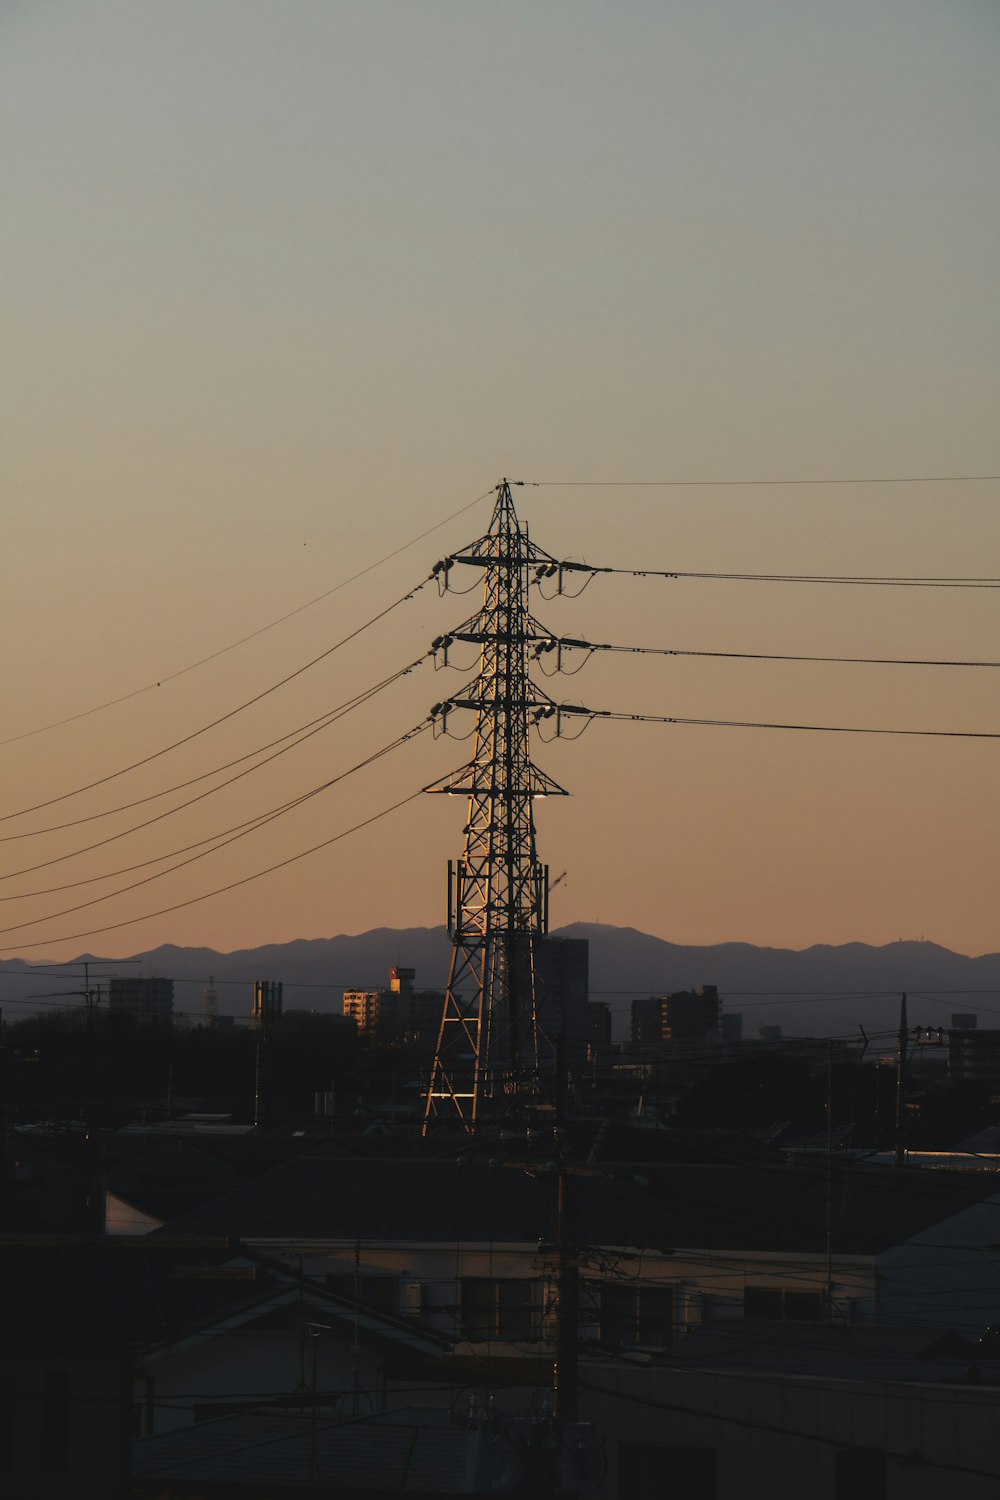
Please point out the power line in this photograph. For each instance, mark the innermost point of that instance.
(243, 831)
(578, 711)
(186, 739)
(870, 580)
(554, 643)
(220, 890)
(303, 731)
(715, 484)
(179, 807)
(253, 634)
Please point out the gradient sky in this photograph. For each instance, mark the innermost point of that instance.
(287, 284)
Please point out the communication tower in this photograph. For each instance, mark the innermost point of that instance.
(491, 1054)
(211, 1003)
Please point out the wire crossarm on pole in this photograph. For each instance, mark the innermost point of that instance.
(491, 1051)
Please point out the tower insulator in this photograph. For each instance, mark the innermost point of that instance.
(490, 1051)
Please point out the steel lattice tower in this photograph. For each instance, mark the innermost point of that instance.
(490, 1049)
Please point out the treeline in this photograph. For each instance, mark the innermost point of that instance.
(109, 1066)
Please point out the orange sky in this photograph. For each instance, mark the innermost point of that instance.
(293, 285)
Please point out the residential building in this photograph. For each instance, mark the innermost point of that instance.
(720, 1232)
(691, 1015)
(974, 1057)
(396, 1010)
(685, 1016)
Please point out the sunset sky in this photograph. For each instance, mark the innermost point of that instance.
(289, 284)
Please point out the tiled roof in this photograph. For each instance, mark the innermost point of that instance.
(739, 1206)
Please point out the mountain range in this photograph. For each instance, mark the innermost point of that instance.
(819, 991)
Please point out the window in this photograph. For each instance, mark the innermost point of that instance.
(632, 1313)
(859, 1474)
(54, 1436)
(777, 1304)
(498, 1309)
(649, 1473)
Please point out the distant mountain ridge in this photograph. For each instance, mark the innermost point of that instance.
(818, 991)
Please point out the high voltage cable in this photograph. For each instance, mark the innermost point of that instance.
(253, 634)
(716, 484)
(68, 937)
(304, 731)
(870, 580)
(243, 831)
(179, 807)
(186, 739)
(574, 710)
(555, 642)
(249, 824)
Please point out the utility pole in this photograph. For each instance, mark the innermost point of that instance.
(489, 1048)
(267, 1007)
(829, 1182)
(90, 998)
(900, 1155)
(564, 1375)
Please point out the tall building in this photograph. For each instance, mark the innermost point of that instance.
(732, 1026)
(647, 1021)
(685, 1016)
(690, 1015)
(368, 1009)
(267, 1002)
(974, 1057)
(563, 989)
(398, 1010)
(149, 1000)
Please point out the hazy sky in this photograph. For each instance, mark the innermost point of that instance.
(288, 283)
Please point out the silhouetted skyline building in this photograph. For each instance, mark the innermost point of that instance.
(684, 1016)
(148, 1000)
(563, 990)
(395, 1010)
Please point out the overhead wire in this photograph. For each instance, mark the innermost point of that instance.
(251, 635)
(570, 643)
(223, 718)
(586, 714)
(578, 711)
(231, 886)
(334, 717)
(303, 731)
(715, 484)
(870, 580)
(223, 842)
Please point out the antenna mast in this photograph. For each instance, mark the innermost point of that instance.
(490, 1046)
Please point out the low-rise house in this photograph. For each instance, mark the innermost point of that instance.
(464, 1245)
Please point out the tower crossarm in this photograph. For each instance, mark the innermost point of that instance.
(489, 1049)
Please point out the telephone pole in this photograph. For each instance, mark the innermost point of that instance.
(490, 1048)
(900, 1153)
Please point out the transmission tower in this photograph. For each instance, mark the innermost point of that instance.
(490, 1049)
